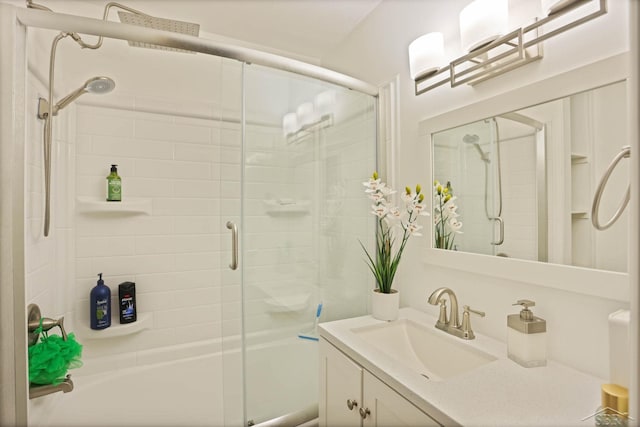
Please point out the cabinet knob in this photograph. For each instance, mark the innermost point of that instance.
(351, 404)
(364, 412)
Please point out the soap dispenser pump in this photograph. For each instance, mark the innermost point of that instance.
(527, 337)
(100, 305)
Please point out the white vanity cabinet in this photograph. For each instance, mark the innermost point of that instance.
(352, 396)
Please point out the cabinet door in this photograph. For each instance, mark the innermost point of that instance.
(340, 383)
(388, 409)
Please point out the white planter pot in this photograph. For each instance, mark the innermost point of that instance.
(385, 306)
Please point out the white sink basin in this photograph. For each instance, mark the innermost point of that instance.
(429, 351)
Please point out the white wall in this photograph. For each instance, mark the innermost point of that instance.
(377, 52)
(49, 266)
(13, 379)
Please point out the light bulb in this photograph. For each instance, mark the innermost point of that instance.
(483, 21)
(290, 124)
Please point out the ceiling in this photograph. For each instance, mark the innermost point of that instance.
(304, 28)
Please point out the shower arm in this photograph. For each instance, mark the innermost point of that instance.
(104, 18)
(75, 36)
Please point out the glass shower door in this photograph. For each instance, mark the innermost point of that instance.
(303, 209)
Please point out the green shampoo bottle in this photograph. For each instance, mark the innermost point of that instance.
(114, 185)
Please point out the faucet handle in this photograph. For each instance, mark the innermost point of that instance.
(468, 310)
(525, 303)
(442, 319)
(467, 332)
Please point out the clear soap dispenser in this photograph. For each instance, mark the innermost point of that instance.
(527, 337)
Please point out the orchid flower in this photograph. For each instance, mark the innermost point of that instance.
(390, 219)
(446, 224)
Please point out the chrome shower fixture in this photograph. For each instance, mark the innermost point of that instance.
(172, 25)
(473, 139)
(46, 109)
(134, 17)
(98, 85)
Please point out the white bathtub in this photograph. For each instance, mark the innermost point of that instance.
(203, 390)
(187, 392)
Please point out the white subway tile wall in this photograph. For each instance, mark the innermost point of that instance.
(174, 254)
(49, 261)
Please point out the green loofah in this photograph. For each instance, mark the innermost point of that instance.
(51, 357)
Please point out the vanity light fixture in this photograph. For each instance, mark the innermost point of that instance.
(306, 114)
(488, 59)
(325, 102)
(309, 117)
(483, 21)
(290, 124)
(426, 55)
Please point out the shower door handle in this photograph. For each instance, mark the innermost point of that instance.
(234, 245)
(501, 223)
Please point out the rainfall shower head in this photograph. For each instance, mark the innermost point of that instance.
(473, 139)
(97, 85)
(144, 20)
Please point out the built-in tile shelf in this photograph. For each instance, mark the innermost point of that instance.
(144, 321)
(284, 207)
(129, 206)
(287, 303)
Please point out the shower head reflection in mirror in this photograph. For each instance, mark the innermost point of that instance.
(473, 139)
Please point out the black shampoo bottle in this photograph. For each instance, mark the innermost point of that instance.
(127, 300)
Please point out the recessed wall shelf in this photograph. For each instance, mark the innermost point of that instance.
(130, 206)
(144, 321)
(287, 303)
(513, 50)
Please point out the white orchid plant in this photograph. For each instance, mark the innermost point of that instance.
(390, 218)
(446, 224)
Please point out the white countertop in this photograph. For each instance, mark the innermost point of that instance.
(500, 393)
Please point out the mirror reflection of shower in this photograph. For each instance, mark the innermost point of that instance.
(495, 213)
(473, 139)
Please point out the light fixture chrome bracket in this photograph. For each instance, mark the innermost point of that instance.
(307, 130)
(513, 50)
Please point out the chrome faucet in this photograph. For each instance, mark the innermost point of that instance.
(451, 323)
(444, 320)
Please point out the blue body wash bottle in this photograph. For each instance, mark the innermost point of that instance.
(100, 305)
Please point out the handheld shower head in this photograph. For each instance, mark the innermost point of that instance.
(470, 139)
(473, 139)
(100, 85)
(94, 85)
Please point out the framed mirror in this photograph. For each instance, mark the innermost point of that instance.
(522, 168)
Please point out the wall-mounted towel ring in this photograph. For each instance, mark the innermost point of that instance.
(624, 153)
